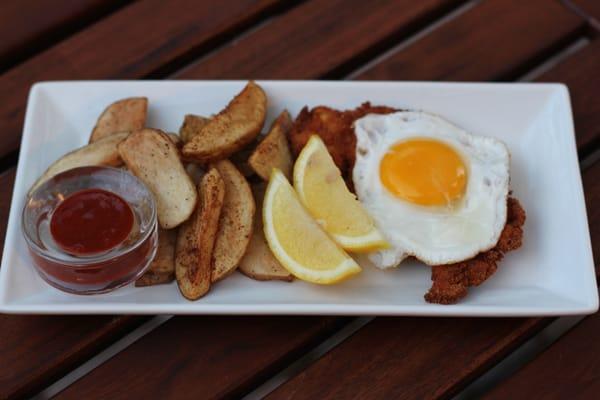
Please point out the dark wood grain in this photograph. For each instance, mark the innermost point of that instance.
(502, 38)
(29, 26)
(203, 357)
(7, 180)
(320, 38)
(37, 350)
(569, 369)
(408, 358)
(577, 73)
(147, 38)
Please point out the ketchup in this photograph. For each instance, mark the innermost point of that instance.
(91, 221)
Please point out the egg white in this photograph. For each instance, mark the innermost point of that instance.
(435, 235)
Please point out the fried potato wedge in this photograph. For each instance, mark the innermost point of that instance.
(126, 115)
(100, 153)
(151, 156)
(162, 268)
(274, 151)
(235, 223)
(230, 130)
(258, 262)
(192, 125)
(196, 238)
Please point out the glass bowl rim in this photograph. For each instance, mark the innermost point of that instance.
(88, 261)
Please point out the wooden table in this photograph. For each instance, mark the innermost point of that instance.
(215, 357)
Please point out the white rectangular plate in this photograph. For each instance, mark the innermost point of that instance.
(552, 274)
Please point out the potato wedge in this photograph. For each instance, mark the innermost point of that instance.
(102, 152)
(230, 130)
(274, 151)
(192, 125)
(196, 238)
(162, 268)
(258, 262)
(235, 223)
(151, 156)
(126, 115)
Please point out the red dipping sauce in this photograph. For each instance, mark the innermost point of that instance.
(91, 221)
(91, 229)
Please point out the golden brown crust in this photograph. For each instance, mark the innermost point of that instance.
(196, 238)
(125, 115)
(335, 128)
(235, 222)
(274, 151)
(451, 282)
(231, 129)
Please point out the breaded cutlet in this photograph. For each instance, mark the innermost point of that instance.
(450, 282)
(335, 128)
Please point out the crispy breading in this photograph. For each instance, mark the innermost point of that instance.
(451, 282)
(336, 130)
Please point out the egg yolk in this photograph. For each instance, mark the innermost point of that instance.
(424, 171)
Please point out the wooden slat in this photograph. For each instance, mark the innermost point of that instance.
(506, 333)
(320, 38)
(36, 350)
(502, 38)
(146, 38)
(425, 358)
(29, 26)
(578, 74)
(569, 368)
(7, 180)
(202, 357)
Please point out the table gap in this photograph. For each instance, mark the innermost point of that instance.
(593, 23)
(555, 59)
(101, 357)
(519, 357)
(457, 12)
(241, 29)
(9, 161)
(359, 60)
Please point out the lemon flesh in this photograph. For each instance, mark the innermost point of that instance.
(297, 240)
(324, 193)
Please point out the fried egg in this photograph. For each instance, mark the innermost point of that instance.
(435, 191)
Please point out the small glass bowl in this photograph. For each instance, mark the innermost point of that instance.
(101, 272)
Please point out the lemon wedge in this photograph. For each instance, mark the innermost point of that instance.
(297, 240)
(324, 193)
